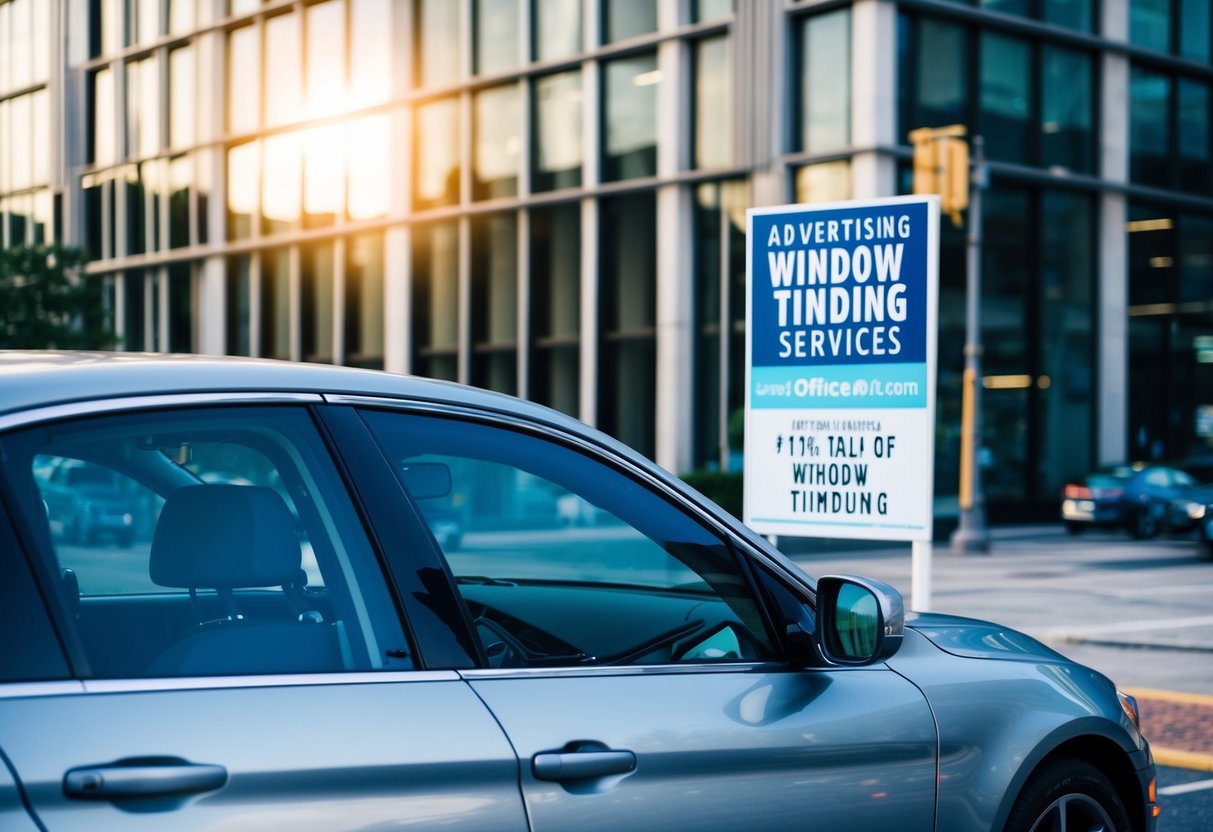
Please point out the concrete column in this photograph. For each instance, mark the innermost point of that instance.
(397, 301)
(589, 312)
(873, 97)
(675, 335)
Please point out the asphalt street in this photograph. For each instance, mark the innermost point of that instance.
(1141, 612)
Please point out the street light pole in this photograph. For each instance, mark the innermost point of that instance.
(972, 534)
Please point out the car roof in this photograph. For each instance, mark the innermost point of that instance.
(36, 379)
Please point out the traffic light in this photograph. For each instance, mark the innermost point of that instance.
(941, 166)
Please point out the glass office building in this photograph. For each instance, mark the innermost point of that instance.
(547, 197)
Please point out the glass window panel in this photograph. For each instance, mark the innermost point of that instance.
(238, 276)
(1149, 135)
(281, 188)
(19, 47)
(1195, 239)
(243, 6)
(5, 144)
(364, 270)
(284, 85)
(1194, 34)
(181, 179)
(92, 217)
(155, 180)
(557, 153)
(40, 40)
(498, 143)
(6, 28)
(436, 162)
(1005, 97)
(438, 47)
(630, 117)
(103, 118)
(323, 173)
(148, 20)
(43, 218)
(181, 305)
(40, 103)
(1067, 346)
(18, 211)
(825, 105)
(555, 259)
(316, 302)
(494, 302)
(368, 144)
(710, 9)
(136, 212)
(825, 182)
(243, 80)
(1150, 24)
(496, 35)
(275, 298)
(708, 268)
(1066, 110)
(1193, 135)
(135, 308)
(326, 90)
(243, 177)
(183, 85)
(713, 146)
(370, 52)
(623, 19)
(435, 314)
(557, 28)
(940, 68)
(20, 140)
(142, 108)
(181, 15)
(1074, 14)
(628, 305)
(1018, 7)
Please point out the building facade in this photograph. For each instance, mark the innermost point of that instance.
(547, 197)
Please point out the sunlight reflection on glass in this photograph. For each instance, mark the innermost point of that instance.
(282, 191)
(367, 146)
(324, 169)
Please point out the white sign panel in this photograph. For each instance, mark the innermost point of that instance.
(840, 371)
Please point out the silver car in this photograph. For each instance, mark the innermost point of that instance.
(289, 646)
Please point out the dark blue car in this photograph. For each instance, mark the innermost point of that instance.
(1136, 497)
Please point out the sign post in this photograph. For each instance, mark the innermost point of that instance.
(840, 388)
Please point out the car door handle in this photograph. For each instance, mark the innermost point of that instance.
(582, 765)
(115, 782)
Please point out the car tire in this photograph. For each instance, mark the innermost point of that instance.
(1072, 789)
(1145, 524)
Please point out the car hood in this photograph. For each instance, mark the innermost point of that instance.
(976, 639)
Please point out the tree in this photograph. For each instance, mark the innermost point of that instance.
(47, 302)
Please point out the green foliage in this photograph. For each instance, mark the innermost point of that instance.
(47, 302)
(722, 487)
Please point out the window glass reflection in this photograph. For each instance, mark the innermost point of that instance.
(1075, 14)
(180, 15)
(142, 108)
(40, 141)
(43, 230)
(316, 302)
(182, 97)
(825, 105)
(435, 324)
(1194, 34)
(436, 160)
(243, 177)
(18, 46)
(364, 269)
(103, 118)
(1149, 136)
(824, 182)
(243, 80)
(1005, 97)
(498, 115)
(281, 189)
(623, 19)
(939, 94)
(181, 178)
(40, 40)
(275, 301)
(147, 18)
(325, 80)
(1193, 102)
(6, 27)
(494, 302)
(1066, 110)
(182, 287)
(238, 276)
(1150, 23)
(713, 142)
(630, 117)
(557, 143)
(370, 52)
(437, 43)
(136, 212)
(284, 85)
(496, 35)
(135, 307)
(20, 142)
(557, 25)
(324, 153)
(368, 147)
(555, 298)
(710, 9)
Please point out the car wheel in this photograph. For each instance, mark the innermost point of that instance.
(1145, 524)
(1069, 794)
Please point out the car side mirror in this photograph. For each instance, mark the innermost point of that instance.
(859, 621)
(426, 480)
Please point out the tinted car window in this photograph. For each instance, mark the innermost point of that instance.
(213, 542)
(563, 560)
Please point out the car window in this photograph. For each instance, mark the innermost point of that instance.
(1158, 477)
(563, 560)
(214, 542)
(1185, 480)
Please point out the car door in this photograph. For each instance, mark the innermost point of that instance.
(627, 651)
(242, 664)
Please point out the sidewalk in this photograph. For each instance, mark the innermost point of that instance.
(1139, 611)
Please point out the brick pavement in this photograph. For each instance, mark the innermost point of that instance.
(1179, 726)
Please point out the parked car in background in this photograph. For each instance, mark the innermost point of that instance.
(1136, 497)
(1194, 510)
(660, 668)
(87, 503)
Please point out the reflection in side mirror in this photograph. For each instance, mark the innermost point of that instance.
(426, 480)
(859, 621)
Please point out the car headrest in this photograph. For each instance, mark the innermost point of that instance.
(225, 536)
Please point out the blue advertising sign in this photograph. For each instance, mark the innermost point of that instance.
(841, 306)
